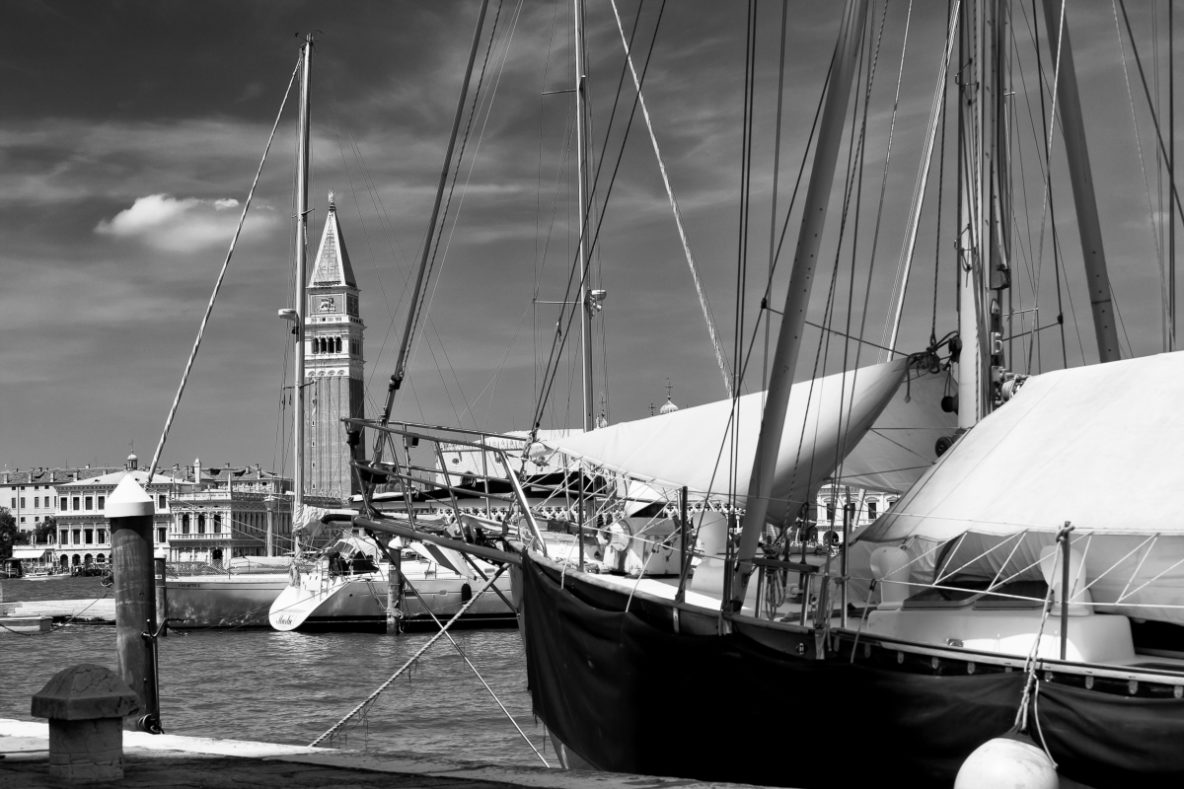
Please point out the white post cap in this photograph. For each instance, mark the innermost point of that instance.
(129, 500)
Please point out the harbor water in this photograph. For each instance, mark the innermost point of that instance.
(293, 687)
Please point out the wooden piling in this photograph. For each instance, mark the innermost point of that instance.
(130, 514)
(162, 595)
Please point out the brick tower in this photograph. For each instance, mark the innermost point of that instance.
(333, 366)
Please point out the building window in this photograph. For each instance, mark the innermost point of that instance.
(102, 502)
(90, 536)
(22, 502)
(90, 503)
(871, 510)
(163, 501)
(217, 523)
(36, 501)
(185, 523)
(161, 536)
(63, 504)
(102, 535)
(64, 537)
(201, 523)
(75, 501)
(830, 510)
(77, 537)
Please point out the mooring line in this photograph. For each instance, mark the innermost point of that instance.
(469, 663)
(411, 661)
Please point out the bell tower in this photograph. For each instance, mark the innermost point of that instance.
(333, 366)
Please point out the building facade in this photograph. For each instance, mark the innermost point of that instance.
(31, 495)
(333, 367)
(84, 535)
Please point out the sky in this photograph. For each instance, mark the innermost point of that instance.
(132, 130)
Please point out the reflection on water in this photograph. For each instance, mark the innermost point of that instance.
(292, 687)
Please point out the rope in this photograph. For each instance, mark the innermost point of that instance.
(476, 673)
(682, 235)
(218, 283)
(402, 669)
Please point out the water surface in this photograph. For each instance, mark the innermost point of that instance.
(292, 687)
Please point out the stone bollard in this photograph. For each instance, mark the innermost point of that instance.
(86, 706)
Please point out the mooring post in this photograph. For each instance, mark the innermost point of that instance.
(130, 515)
(394, 592)
(162, 595)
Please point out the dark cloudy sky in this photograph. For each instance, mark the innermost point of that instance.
(132, 128)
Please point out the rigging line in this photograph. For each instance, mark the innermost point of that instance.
(810, 139)
(401, 363)
(332, 730)
(854, 194)
(937, 105)
(426, 297)
(937, 251)
(569, 301)
(488, 111)
(774, 191)
(460, 651)
(569, 306)
(1151, 108)
(682, 235)
(1051, 118)
(1159, 252)
(742, 246)
(218, 283)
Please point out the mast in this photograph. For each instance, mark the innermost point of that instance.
(301, 278)
(582, 188)
(797, 299)
(971, 400)
(1081, 177)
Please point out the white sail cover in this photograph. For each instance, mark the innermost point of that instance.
(691, 447)
(899, 447)
(1093, 446)
(1073, 445)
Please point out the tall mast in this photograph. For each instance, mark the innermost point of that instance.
(582, 187)
(301, 281)
(972, 174)
(1081, 177)
(797, 300)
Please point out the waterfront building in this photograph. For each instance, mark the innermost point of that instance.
(333, 367)
(232, 512)
(31, 495)
(83, 530)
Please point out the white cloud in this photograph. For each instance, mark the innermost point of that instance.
(175, 224)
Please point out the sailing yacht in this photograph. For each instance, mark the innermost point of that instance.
(1012, 591)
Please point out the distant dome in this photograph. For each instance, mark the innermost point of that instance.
(668, 407)
(132, 461)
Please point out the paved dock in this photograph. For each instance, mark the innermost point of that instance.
(172, 761)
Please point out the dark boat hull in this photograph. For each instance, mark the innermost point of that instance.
(615, 682)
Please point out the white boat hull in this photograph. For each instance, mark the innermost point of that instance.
(359, 602)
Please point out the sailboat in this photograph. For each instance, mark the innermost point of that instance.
(1015, 592)
(242, 599)
(1012, 585)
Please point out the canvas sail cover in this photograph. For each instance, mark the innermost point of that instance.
(691, 447)
(1093, 446)
(899, 446)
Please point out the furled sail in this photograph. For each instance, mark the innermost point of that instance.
(692, 447)
(1094, 447)
(899, 446)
